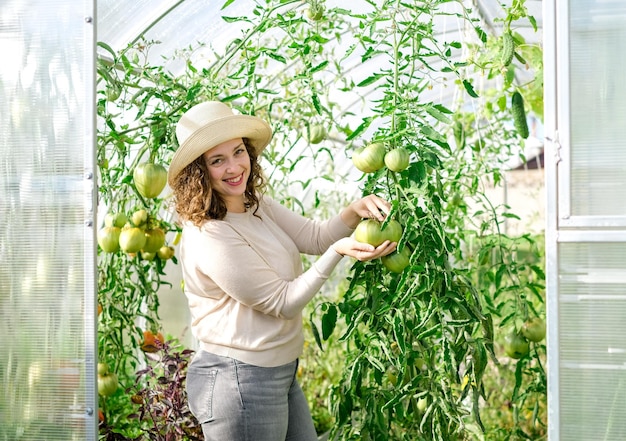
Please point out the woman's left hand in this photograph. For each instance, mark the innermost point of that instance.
(371, 206)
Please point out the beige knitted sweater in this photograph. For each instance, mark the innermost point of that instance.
(244, 280)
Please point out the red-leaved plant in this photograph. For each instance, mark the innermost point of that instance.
(160, 393)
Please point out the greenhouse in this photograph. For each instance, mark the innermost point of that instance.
(440, 187)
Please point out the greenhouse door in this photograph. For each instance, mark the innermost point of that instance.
(47, 200)
(585, 97)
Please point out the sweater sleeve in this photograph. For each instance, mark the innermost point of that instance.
(242, 273)
(310, 236)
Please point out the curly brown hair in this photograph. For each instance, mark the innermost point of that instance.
(195, 200)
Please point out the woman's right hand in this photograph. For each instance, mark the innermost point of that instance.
(348, 246)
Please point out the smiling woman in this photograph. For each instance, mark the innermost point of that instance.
(228, 165)
(249, 320)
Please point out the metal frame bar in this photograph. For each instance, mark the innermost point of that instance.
(91, 202)
(552, 159)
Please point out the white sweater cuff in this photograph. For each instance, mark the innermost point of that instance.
(327, 262)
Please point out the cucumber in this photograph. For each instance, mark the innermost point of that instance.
(508, 48)
(459, 134)
(519, 115)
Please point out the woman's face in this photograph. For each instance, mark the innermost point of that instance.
(229, 168)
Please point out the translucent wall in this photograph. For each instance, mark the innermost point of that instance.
(47, 253)
(586, 233)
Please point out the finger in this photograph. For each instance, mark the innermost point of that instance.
(379, 207)
(385, 248)
(363, 247)
(376, 211)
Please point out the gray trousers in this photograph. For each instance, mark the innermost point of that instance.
(235, 401)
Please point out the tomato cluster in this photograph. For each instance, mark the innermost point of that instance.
(517, 342)
(372, 232)
(139, 234)
(375, 156)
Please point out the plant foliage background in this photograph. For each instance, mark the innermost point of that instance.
(411, 355)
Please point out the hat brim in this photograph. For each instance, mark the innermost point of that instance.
(255, 130)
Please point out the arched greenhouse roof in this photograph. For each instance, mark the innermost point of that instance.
(205, 27)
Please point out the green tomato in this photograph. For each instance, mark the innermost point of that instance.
(515, 345)
(107, 384)
(115, 220)
(146, 255)
(149, 179)
(166, 252)
(396, 262)
(317, 133)
(139, 218)
(315, 12)
(103, 368)
(392, 231)
(113, 92)
(132, 239)
(397, 159)
(534, 329)
(368, 231)
(155, 239)
(370, 158)
(108, 239)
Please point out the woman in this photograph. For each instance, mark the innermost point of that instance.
(243, 277)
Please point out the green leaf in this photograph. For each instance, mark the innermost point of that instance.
(437, 114)
(319, 67)
(275, 56)
(108, 48)
(360, 129)
(316, 335)
(470, 89)
(316, 103)
(519, 376)
(370, 80)
(481, 34)
(329, 320)
(476, 407)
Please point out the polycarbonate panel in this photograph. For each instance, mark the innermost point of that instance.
(592, 337)
(47, 253)
(598, 108)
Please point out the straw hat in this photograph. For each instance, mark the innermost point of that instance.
(209, 124)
